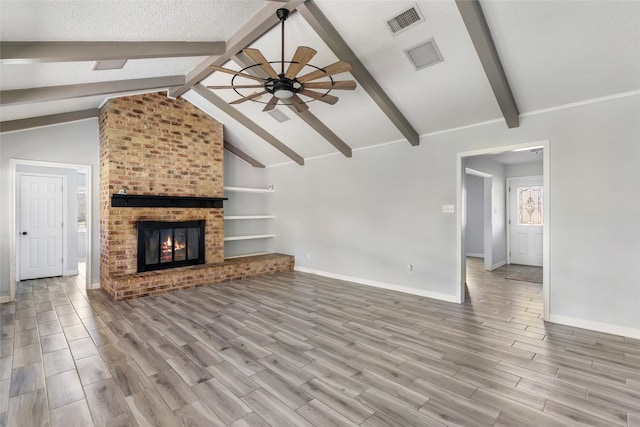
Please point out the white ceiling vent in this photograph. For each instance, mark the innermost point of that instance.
(424, 54)
(114, 64)
(405, 20)
(279, 115)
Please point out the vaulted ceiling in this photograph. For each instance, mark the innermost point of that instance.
(503, 60)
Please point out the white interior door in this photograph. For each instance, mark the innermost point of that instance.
(40, 229)
(526, 207)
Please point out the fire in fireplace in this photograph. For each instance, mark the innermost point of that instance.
(163, 244)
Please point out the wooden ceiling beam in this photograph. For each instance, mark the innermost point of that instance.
(308, 117)
(54, 119)
(246, 122)
(55, 93)
(262, 22)
(37, 52)
(321, 25)
(478, 29)
(241, 154)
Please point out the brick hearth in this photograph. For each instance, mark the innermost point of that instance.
(154, 145)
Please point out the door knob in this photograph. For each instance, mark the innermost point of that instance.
(24, 233)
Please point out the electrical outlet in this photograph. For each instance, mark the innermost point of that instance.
(448, 209)
(308, 255)
(410, 269)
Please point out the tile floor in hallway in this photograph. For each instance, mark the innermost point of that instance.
(296, 349)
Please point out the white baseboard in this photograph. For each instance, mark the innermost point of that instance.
(95, 285)
(498, 265)
(376, 284)
(596, 326)
(71, 273)
(6, 298)
(475, 255)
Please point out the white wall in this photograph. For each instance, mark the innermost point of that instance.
(524, 169)
(76, 143)
(369, 216)
(474, 231)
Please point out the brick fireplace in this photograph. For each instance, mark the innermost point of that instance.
(156, 146)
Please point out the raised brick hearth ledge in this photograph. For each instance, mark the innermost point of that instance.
(161, 281)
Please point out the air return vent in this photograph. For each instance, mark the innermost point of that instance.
(405, 20)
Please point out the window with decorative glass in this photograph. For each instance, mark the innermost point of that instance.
(530, 206)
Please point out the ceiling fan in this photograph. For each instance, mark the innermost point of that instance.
(286, 86)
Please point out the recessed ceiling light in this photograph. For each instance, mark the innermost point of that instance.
(114, 64)
(279, 116)
(424, 54)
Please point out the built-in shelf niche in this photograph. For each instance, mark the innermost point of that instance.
(256, 229)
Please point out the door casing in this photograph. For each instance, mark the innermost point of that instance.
(13, 166)
(461, 266)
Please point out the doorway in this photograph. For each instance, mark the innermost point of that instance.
(76, 229)
(498, 211)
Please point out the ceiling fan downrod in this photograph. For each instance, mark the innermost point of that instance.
(282, 15)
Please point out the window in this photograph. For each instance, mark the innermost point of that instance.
(530, 205)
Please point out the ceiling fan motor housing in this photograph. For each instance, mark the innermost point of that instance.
(283, 88)
(282, 13)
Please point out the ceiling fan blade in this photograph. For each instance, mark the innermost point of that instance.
(338, 67)
(299, 104)
(237, 73)
(236, 87)
(342, 84)
(329, 99)
(271, 104)
(257, 57)
(247, 98)
(302, 56)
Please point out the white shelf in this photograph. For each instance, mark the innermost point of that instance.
(249, 217)
(251, 254)
(248, 190)
(249, 237)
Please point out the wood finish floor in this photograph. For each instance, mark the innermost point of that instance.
(301, 350)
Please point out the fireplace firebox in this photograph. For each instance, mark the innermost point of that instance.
(163, 244)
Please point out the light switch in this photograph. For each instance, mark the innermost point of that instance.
(448, 209)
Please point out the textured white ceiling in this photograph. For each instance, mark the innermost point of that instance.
(554, 53)
(139, 20)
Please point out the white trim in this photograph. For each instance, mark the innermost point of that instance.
(475, 255)
(474, 172)
(582, 103)
(376, 284)
(13, 164)
(95, 285)
(460, 258)
(607, 328)
(6, 298)
(498, 265)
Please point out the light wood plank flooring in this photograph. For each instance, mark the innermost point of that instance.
(295, 349)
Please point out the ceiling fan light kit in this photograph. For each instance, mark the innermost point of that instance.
(286, 85)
